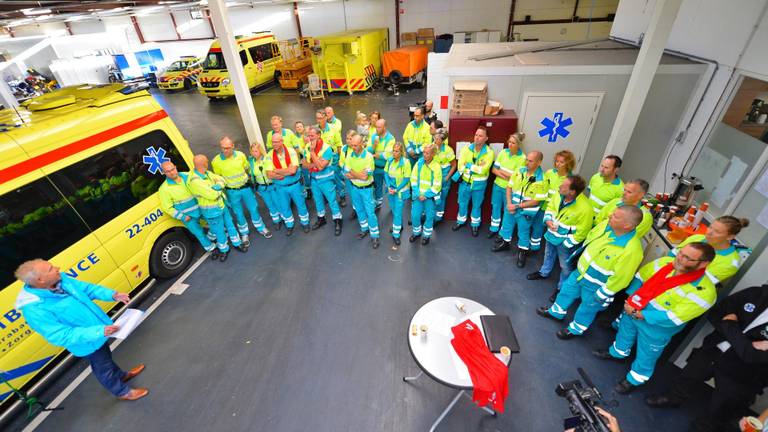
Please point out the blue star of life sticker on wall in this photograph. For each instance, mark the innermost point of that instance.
(557, 126)
(154, 158)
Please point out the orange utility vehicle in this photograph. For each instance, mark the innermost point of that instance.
(406, 65)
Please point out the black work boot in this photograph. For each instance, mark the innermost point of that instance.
(320, 222)
(521, 255)
(337, 227)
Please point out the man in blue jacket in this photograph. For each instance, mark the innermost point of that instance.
(61, 309)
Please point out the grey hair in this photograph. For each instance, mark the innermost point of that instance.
(27, 271)
(316, 129)
(430, 146)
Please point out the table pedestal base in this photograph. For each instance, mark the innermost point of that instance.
(450, 405)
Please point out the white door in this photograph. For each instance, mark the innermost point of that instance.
(559, 121)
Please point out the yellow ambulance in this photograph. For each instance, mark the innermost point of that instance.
(79, 174)
(181, 74)
(349, 61)
(259, 55)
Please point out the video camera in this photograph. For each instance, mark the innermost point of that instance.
(582, 402)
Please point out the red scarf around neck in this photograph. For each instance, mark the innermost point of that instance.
(318, 147)
(276, 159)
(659, 283)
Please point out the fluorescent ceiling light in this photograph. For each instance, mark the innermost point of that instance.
(36, 11)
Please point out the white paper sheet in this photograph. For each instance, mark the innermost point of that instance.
(762, 217)
(128, 321)
(726, 187)
(762, 184)
(709, 167)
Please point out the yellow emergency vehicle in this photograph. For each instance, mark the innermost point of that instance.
(79, 174)
(349, 61)
(181, 74)
(259, 55)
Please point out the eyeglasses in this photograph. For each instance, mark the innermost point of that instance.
(687, 258)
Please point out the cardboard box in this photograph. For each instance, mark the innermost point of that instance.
(493, 108)
(428, 32)
(408, 36)
(407, 42)
(470, 86)
(467, 112)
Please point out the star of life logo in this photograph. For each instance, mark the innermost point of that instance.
(154, 158)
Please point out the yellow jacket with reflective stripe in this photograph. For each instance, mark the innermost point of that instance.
(416, 137)
(201, 186)
(508, 163)
(426, 179)
(258, 169)
(289, 139)
(600, 192)
(444, 156)
(644, 226)
(234, 170)
(573, 220)
(360, 162)
(609, 262)
(523, 189)
(331, 136)
(176, 200)
(677, 305)
(725, 264)
(475, 165)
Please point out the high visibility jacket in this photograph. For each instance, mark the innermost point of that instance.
(258, 170)
(474, 165)
(71, 320)
(444, 156)
(176, 200)
(384, 147)
(360, 162)
(508, 163)
(523, 189)
(554, 180)
(426, 179)
(233, 169)
(343, 153)
(600, 192)
(678, 305)
(289, 138)
(416, 136)
(609, 262)
(203, 186)
(335, 123)
(726, 262)
(299, 143)
(331, 136)
(397, 176)
(270, 166)
(644, 226)
(326, 152)
(573, 220)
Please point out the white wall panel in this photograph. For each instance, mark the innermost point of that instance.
(41, 29)
(122, 28)
(448, 16)
(157, 27)
(191, 29)
(277, 18)
(87, 26)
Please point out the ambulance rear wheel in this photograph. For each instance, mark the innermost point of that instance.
(170, 255)
(187, 84)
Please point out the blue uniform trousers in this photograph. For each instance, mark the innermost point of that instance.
(426, 207)
(523, 223)
(338, 178)
(322, 191)
(466, 194)
(446, 189)
(651, 341)
(269, 195)
(305, 179)
(362, 201)
(396, 205)
(558, 253)
(221, 224)
(572, 289)
(289, 193)
(237, 198)
(378, 185)
(193, 225)
(498, 206)
(537, 230)
(107, 372)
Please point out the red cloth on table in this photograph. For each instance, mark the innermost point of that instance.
(488, 373)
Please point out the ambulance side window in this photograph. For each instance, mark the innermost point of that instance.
(261, 53)
(35, 222)
(107, 184)
(243, 57)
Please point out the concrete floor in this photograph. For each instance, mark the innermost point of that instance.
(308, 332)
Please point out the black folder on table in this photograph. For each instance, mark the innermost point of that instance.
(499, 332)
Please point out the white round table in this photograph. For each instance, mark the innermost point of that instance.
(434, 353)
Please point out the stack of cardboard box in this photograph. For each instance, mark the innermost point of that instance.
(426, 36)
(408, 38)
(469, 98)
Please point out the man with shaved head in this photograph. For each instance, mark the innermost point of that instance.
(525, 192)
(178, 202)
(208, 189)
(611, 254)
(380, 146)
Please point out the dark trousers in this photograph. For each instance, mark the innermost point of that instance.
(107, 372)
(730, 398)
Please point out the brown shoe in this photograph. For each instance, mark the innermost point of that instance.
(133, 372)
(134, 394)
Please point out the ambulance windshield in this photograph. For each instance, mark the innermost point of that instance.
(214, 60)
